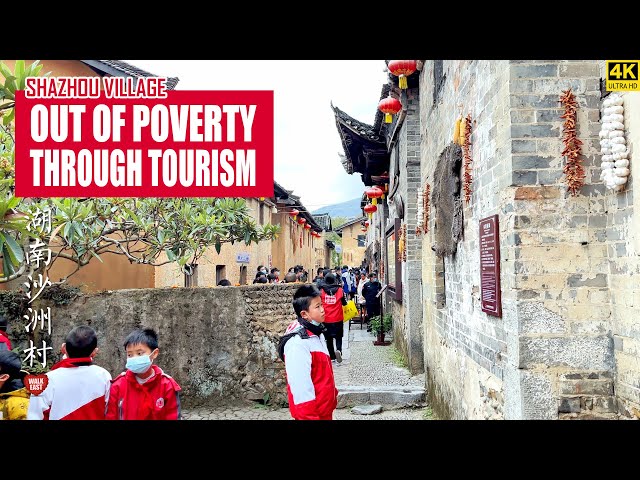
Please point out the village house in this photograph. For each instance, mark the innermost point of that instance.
(527, 293)
(353, 234)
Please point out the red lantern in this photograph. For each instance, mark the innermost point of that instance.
(389, 106)
(402, 69)
(302, 220)
(370, 208)
(294, 213)
(307, 226)
(364, 229)
(366, 223)
(374, 193)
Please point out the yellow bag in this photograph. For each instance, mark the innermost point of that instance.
(349, 310)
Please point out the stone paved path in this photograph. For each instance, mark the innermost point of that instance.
(363, 365)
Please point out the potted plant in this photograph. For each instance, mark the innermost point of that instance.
(380, 326)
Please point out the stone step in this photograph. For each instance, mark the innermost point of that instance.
(389, 396)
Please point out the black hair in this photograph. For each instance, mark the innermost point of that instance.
(260, 267)
(272, 277)
(144, 336)
(373, 274)
(10, 363)
(303, 296)
(224, 283)
(81, 341)
(261, 279)
(346, 266)
(326, 272)
(320, 270)
(330, 279)
(4, 323)
(274, 269)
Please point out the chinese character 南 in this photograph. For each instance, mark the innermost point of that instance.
(36, 254)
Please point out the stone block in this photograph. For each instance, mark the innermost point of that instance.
(533, 71)
(575, 352)
(524, 177)
(579, 70)
(529, 162)
(534, 131)
(569, 405)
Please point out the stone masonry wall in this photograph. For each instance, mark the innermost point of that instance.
(623, 235)
(408, 319)
(465, 350)
(218, 343)
(559, 333)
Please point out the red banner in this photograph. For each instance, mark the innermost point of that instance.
(189, 144)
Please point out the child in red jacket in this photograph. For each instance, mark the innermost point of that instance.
(144, 391)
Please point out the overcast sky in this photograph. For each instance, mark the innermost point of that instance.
(307, 142)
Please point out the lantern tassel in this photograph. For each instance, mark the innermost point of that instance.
(369, 213)
(403, 82)
(382, 197)
(388, 118)
(373, 201)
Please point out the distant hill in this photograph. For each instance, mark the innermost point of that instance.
(349, 209)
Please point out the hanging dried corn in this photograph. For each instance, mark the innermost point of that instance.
(573, 170)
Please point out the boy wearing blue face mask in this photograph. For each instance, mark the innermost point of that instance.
(143, 391)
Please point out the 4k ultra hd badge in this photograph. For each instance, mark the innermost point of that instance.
(622, 75)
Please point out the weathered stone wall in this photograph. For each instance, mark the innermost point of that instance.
(623, 234)
(218, 343)
(566, 262)
(465, 350)
(563, 360)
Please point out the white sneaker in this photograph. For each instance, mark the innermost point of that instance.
(338, 356)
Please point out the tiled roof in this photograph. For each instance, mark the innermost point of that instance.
(324, 220)
(349, 223)
(118, 68)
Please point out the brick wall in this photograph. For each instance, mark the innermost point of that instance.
(623, 236)
(465, 350)
(562, 361)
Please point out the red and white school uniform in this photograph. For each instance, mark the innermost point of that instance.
(158, 398)
(311, 387)
(4, 340)
(73, 392)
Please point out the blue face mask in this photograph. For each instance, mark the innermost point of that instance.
(139, 364)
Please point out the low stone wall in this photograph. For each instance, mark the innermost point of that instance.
(218, 343)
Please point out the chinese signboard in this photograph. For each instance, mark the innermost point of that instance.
(242, 258)
(490, 267)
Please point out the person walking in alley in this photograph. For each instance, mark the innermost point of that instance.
(77, 389)
(360, 300)
(369, 292)
(311, 387)
(143, 391)
(333, 299)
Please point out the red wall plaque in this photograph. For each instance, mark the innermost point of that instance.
(490, 267)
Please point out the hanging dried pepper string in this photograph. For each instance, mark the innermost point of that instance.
(466, 152)
(573, 169)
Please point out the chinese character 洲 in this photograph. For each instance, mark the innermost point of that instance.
(42, 315)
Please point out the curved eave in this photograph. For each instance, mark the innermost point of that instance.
(365, 149)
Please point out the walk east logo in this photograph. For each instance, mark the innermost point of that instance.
(35, 384)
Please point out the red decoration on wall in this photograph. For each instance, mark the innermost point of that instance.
(466, 153)
(302, 220)
(573, 170)
(294, 213)
(402, 69)
(389, 106)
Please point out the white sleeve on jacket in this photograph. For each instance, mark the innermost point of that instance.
(297, 362)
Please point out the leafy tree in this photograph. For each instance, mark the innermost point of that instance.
(150, 231)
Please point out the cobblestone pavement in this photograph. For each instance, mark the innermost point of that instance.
(363, 365)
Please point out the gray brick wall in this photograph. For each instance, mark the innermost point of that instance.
(408, 315)
(465, 349)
